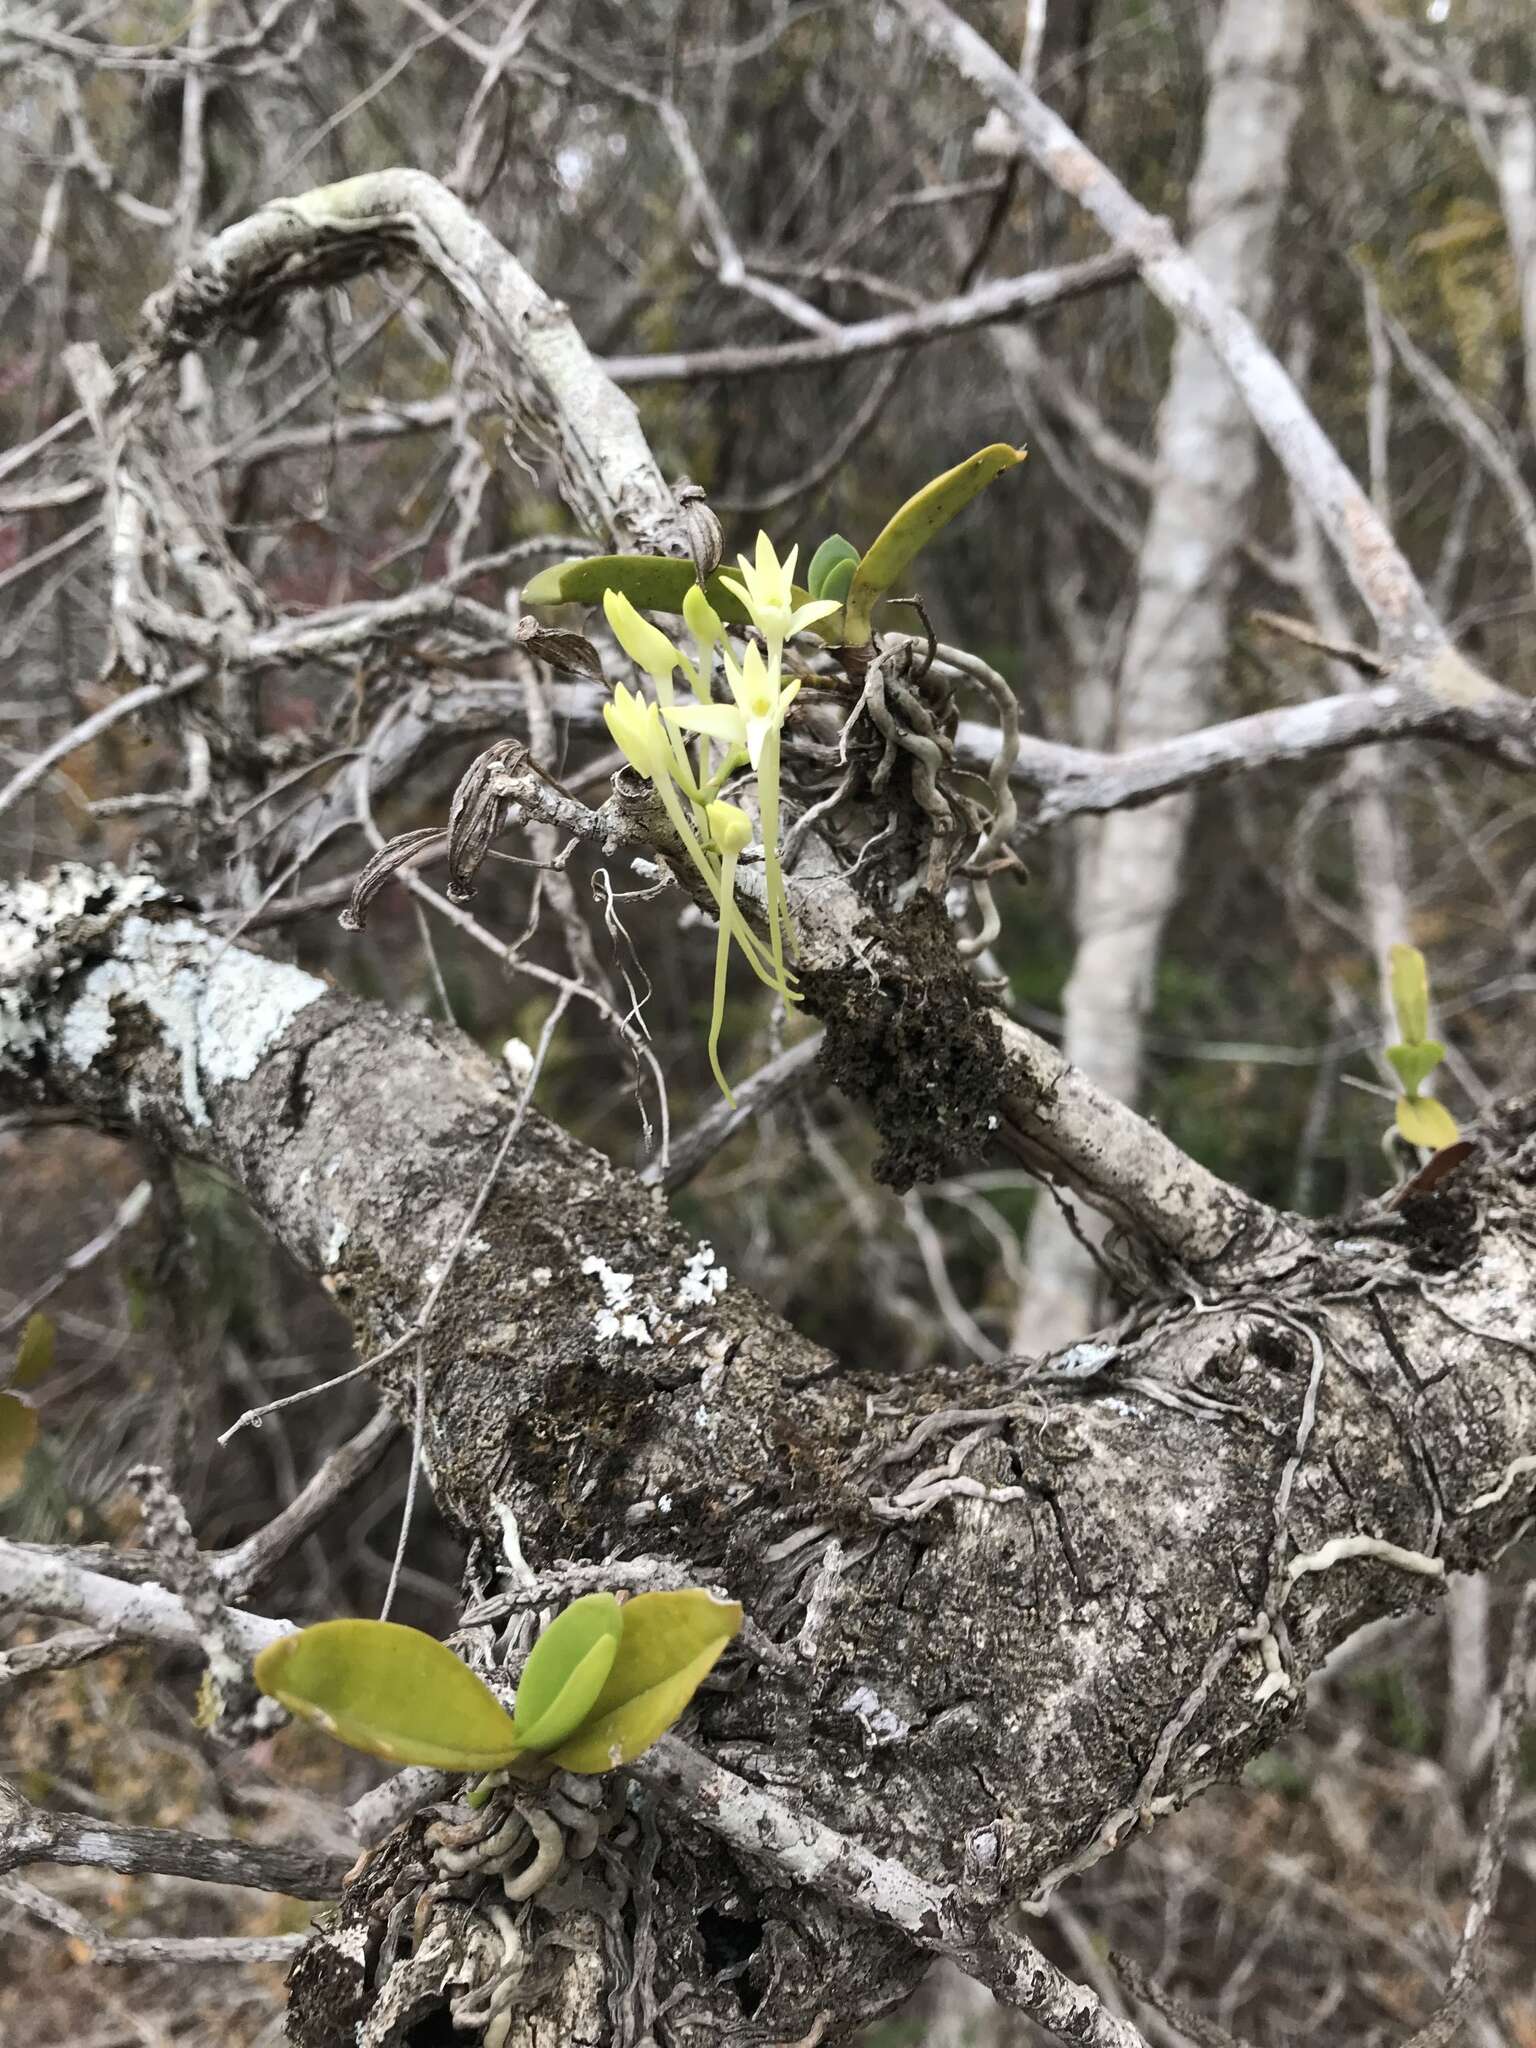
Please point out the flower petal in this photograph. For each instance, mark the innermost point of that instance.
(720, 721)
(703, 621)
(757, 735)
(811, 614)
(730, 829)
(646, 645)
(629, 742)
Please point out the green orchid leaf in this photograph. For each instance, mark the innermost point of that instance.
(838, 581)
(390, 1691)
(1426, 1122)
(1410, 993)
(1413, 1064)
(832, 553)
(669, 1646)
(910, 529)
(653, 583)
(566, 1669)
(18, 1433)
(34, 1354)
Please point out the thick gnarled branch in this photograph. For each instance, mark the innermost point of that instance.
(340, 231)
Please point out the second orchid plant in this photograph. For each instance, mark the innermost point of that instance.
(745, 730)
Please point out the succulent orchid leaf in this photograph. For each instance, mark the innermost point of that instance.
(653, 583)
(34, 1354)
(1424, 1121)
(566, 1669)
(838, 580)
(831, 555)
(1410, 993)
(670, 1643)
(18, 1433)
(390, 1691)
(924, 514)
(1413, 1064)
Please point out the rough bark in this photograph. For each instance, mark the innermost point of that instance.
(1113, 1546)
(1178, 643)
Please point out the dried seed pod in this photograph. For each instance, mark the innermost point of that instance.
(386, 862)
(706, 542)
(478, 814)
(571, 653)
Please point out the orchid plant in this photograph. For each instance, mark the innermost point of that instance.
(736, 733)
(746, 728)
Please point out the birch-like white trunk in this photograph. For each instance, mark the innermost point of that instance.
(1176, 648)
(1515, 166)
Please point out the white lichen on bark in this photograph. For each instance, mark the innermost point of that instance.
(218, 1008)
(34, 916)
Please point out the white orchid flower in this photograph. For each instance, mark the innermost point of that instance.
(766, 588)
(760, 702)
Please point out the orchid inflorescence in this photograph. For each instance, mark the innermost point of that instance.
(714, 833)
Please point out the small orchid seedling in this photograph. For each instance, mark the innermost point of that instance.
(1425, 1122)
(602, 1682)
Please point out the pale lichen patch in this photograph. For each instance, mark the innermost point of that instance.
(617, 1317)
(44, 926)
(879, 1723)
(703, 1281)
(220, 1009)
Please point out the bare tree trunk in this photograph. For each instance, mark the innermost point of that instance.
(1515, 166)
(1176, 650)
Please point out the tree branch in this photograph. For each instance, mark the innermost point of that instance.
(703, 1421)
(1416, 701)
(30, 1835)
(1004, 298)
(1375, 564)
(340, 231)
(799, 1850)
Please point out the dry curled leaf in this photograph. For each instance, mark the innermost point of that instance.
(1429, 1176)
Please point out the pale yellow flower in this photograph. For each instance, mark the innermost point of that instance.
(760, 702)
(635, 724)
(646, 645)
(730, 829)
(767, 589)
